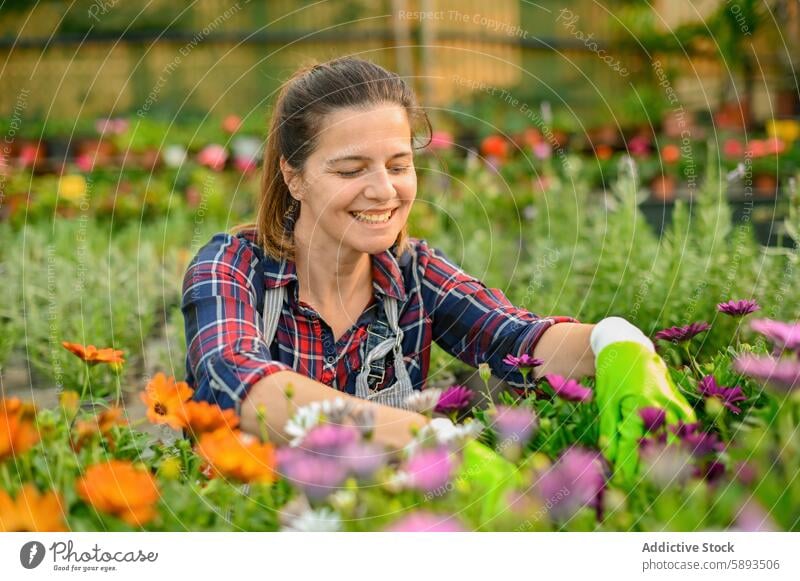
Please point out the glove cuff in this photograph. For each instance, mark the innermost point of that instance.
(615, 329)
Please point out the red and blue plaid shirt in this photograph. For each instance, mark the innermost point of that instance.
(223, 298)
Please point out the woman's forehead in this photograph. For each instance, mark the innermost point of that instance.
(355, 132)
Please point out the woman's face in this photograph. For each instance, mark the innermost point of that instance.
(359, 184)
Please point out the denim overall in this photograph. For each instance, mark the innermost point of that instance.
(382, 338)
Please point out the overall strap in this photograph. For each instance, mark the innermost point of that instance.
(393, 343)
(273, 303)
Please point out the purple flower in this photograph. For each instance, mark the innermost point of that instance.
(682, 429)
(752, 518)
(330, 439)
(426, 522)
(454, 399)
(575, 480)
(782, 374)
(738, 308)
(514, 423)
(709, 387)
(653, 418)
(782, 335)
(524, 361)
(430, 469)
(568, 389)
(697, 442)
(682, 334)
(363, 459)
(317, 476)
(711, 471)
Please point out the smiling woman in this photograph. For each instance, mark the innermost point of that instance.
(326, 295)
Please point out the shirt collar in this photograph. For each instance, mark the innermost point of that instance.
(387, 278)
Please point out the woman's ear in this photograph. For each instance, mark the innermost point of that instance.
(292, 179)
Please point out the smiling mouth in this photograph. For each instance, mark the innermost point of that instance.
(374, 217)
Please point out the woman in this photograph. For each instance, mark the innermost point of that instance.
(326, 296)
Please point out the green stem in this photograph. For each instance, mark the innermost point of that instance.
(692, 361)
(85, 383)
(6, 476)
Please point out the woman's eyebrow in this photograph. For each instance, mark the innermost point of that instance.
(367, 158)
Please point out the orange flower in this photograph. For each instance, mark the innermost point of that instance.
(31, 511)
(117, 488)
(17, 432)
(200, 417)
(670, 153)
(101, 424)
(164, 398)
(495, 146)
(92, 355)
(237, 455)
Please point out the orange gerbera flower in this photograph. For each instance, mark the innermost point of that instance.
(201, 416)
(17, 432)
(118, 488)
(100, 424)
(165, 399)
(92, 355)
(31, 511)
(237, 455)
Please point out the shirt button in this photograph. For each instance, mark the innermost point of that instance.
(330, 360)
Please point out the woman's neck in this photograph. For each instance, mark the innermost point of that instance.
(330, 275)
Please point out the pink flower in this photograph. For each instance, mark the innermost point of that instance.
(514, 423)
(213, 156)
(782, 335)
(653, 418)
(524, 361)
(783, 374)
(430, 469)
(330, 439)
(682, 334)
(454, 399)
(738, 308)
(441, 141)
(708, 387)
(574, 481)
(363, 459)
(568, 389)
(426, 522)
(317, 476)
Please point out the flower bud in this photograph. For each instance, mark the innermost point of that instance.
(485, 372)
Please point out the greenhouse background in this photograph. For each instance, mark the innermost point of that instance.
(588, 159)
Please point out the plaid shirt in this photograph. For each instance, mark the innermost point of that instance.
(223, 297)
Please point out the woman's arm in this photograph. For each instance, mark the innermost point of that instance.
(566, 351)
(393, 426)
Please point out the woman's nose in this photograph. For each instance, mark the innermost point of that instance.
(380, 186)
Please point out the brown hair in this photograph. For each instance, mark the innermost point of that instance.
(303, 101)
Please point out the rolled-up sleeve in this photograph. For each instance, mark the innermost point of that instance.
(225, 350)
(475, 323)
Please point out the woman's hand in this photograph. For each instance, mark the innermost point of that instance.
(630, 376)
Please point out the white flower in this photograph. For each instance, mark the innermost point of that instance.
(443, 431)
(363, 418)
(336, 410)
(323, 520)
(424, 401)
(304, 419)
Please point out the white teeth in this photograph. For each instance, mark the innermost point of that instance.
(372, 218)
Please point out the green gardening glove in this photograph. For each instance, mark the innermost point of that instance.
(490, 478)
(630, 376)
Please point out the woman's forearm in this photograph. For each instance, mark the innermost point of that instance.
(565, 350)
(393, 426)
